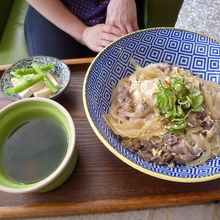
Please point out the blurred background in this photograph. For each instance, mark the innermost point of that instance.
(201, 16)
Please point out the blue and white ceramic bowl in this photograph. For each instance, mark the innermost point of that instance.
(190, 50)
(60, 69)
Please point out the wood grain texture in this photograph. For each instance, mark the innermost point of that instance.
(4, 67)
(101, 206)
(101, 182)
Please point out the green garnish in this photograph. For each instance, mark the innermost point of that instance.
(177, 126)
(176, 100)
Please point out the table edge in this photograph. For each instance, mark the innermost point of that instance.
(104, 206)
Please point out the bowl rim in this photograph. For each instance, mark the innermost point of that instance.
(114, 151)
(67, 158)
(32, 57)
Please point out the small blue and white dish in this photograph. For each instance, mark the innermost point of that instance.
(60, 69)
(192, 51)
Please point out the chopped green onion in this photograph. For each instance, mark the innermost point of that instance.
(198, 101)
(198, 109)
(178, 88)
(177, 127)
(176, 100)
(180, 111)
(189, 100)
(168, 114)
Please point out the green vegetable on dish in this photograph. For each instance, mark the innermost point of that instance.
(26, 84)
(26, 71)
(47, 81)
(176, 99)
(30, 80)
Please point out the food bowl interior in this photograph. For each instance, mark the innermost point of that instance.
(195, 52)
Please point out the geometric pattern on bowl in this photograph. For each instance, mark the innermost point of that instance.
(190, 50)
(60, 69)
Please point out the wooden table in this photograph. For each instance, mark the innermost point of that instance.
(101, 182)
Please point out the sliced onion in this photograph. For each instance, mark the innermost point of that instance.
(135, 63)
(201, 160)
(216, 150)
(211, 91)
(202, 142)
(213, 131)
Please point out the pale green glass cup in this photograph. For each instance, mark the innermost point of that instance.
(16, 112)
